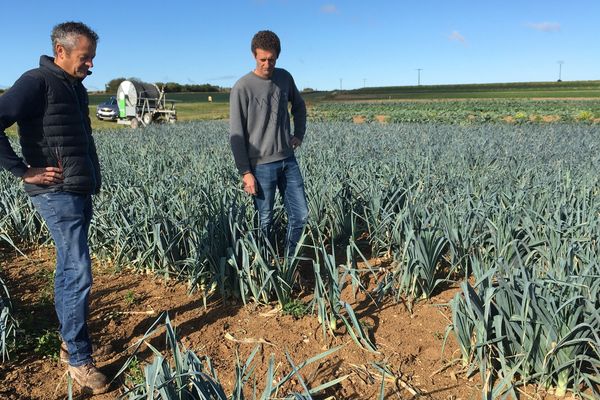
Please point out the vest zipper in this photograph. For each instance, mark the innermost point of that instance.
(79, 107)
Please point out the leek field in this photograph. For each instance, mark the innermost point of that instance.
(508, 212)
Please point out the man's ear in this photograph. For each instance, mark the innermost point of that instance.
(59, 50)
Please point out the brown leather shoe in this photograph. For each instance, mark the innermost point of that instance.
(89, 378)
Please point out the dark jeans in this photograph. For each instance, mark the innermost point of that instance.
(285, 176)
(68, 217)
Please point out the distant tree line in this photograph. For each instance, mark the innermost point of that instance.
(169, 87)
(173, 87)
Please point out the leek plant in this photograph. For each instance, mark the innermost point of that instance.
(522, 329)
(383, 215)
(462, 228)
(418, 264)
(8, 324)
(330, 280)
(17, 223)
(187, 376)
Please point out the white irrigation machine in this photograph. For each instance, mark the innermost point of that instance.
(141, 104)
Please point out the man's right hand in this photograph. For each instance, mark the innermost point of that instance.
(249, 183)
(43, 176)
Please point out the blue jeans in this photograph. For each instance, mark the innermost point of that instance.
(68, 217)
(285, 176)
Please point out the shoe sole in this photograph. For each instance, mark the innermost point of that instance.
(89, 390)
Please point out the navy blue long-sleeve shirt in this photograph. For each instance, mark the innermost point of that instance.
(24, 100)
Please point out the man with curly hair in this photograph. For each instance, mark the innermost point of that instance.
(261, 139)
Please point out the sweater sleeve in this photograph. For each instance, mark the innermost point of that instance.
(23, 100)
(298, 110)
(238, 115)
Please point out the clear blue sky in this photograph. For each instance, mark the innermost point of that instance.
(325, 44)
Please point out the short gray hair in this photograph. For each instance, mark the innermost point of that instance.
(67, 33)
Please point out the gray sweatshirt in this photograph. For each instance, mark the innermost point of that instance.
(259, 124)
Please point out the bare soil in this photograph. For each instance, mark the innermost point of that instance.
(359, 119)
(382, 119)
(125, 304)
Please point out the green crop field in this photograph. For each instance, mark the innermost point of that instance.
(574, 89)
(528, 102)
(509, 212)
(513, 111)
(461, 104)
(490, 188)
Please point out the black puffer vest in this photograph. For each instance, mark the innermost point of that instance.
(61, 135)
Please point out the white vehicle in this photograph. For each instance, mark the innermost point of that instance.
(108, 110)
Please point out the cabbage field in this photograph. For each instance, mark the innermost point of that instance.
(510, 212)
(461, 112)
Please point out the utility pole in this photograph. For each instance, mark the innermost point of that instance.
(560, 63)
(419, 76)
(340, 83)
(364, 82)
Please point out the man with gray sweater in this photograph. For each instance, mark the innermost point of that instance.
(261, 138)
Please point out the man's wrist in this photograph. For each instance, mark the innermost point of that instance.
(21, 171)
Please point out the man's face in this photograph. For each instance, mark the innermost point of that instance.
(78, 61)
(265, 63)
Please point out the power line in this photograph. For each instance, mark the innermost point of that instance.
(560, 63)
(419, 76)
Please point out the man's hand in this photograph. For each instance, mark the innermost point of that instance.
(295, 142)
(249, 182)
(43, 176)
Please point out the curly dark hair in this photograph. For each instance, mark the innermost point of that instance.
(266, 40)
